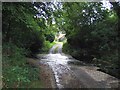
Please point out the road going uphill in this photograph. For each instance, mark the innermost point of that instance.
(71, 73)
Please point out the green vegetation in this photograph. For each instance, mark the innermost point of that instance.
(92, 33)
(47, 47)
(23, 35)
(16, 73)
(56, 49)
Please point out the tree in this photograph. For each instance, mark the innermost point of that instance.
(92, 32)
(20, 26)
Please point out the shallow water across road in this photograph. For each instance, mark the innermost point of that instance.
(71, 73)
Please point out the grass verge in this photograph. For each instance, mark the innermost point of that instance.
(16, 73)
(47, 46)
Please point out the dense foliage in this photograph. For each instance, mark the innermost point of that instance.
(19, 26)
(16, 73)
(23, 34)
(92, 33)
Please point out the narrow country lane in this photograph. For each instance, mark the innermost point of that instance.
(71, 73)
(57, 47)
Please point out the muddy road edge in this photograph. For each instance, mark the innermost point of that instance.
(46, 74)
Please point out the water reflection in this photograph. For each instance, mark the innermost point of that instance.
(63, 67)
(57, 58)
(60, 66)
(58, 63)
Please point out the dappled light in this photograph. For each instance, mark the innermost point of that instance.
(61, 44)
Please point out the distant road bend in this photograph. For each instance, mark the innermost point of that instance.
(71, 73)
(57, 48)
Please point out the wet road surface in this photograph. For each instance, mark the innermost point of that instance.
(58, 47)
(71, 73)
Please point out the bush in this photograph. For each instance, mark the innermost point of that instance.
(37, 42)
(50, 37)
(15, 72)
(47, 46)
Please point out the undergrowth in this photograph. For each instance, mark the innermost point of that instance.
(47, 46)
(16, 73)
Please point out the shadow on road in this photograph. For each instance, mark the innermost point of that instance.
(71, 73)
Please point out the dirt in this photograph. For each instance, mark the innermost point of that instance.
(45, 74)
(62, 71)
(72, 76)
